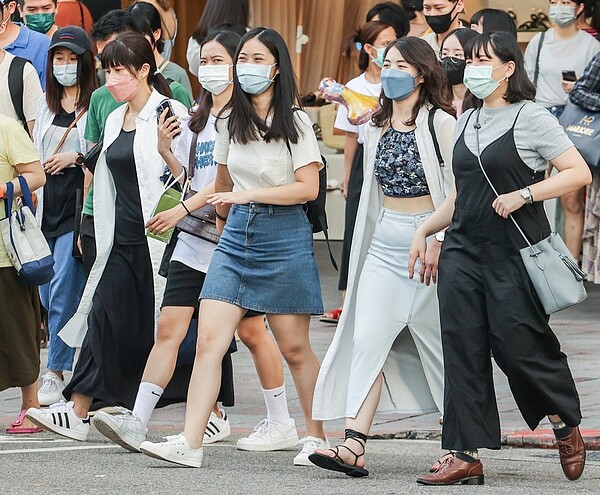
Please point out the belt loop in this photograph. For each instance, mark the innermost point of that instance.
(270, 210)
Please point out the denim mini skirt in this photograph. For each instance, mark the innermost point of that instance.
(265, 261)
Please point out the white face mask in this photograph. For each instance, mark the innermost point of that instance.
(562, 15)
(214, 78)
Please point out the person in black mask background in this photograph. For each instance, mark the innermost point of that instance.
(418, 24)
(452, 59)
(442, 17)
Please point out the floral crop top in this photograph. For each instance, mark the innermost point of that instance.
(398, 167)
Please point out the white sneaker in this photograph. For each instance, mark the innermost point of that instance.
(61, 419)
(51, 390)
(217, 428)
(309, 445)
(268, 435)
(123, 428)
(176, 449)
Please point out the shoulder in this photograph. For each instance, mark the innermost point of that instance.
(302, 118)
(8, 125)
(357, 83)
(37, 39)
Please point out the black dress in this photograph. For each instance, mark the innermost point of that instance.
(121, 323)
(488, 305)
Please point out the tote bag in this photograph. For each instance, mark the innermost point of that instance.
(583, 128)
(25, 244)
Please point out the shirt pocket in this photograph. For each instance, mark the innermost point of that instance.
(275, 171)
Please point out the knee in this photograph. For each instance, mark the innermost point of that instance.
(572, 203)
(295, 354)
(252, 332)
(171, 330)
(210, 344)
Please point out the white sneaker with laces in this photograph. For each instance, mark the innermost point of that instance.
(176, 449)
(268, 436)
(123, 428)
(309, 445)
(51, 390)
(217, 428)
(60, 418)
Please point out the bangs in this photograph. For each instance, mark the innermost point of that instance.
(482, 44)
(118, 54)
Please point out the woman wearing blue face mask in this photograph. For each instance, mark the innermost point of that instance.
(390, 324)
(58, 137)
(268, 155)
(487, 302)
(371, 39)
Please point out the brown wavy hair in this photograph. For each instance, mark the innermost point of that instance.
(365, 35)
(434, 88)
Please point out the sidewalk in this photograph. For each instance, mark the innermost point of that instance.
(577, 328)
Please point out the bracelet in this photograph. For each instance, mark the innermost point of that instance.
(186, 208)
(220, 217)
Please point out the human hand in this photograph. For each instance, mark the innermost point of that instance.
(230, 198)
(56, 163)
(167, 130)
(567, 86)
(418, 251)
(505, 204)
(166, 220)
(434, 248)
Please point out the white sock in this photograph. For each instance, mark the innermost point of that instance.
(277, 408)
(147, 397)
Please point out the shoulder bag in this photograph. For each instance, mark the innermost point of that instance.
(201, 223)
(583, 128)
(555, 275)
(24, 241)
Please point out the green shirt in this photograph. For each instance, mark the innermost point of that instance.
(102, 104)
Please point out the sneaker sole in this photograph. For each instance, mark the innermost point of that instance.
(109, 432)
(59, 430)
(50, 401)
(281, 445)
(222, 435)
(182, 461)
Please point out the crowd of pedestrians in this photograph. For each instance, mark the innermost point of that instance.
(105, 128)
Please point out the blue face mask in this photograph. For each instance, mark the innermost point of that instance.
(254, 78)
(65, 74)
(479, 81)
(380, 54)
(397, 84)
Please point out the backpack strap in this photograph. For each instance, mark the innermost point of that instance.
(536, 72)
(16, 89)
(436, 144)
(192, 160)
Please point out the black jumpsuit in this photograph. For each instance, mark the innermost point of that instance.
(487, 303)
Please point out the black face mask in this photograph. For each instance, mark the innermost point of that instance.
(441, 23)
(455, 69)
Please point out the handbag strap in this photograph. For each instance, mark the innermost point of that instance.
(477, 126)
(536, 72)
(10, 196)
(436, 144)
(192, 159)
(64, 138)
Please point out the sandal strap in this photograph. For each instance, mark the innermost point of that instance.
(355, 435)
(356, 456)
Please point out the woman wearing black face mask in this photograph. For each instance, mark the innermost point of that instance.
(442, 17)
(452, 58)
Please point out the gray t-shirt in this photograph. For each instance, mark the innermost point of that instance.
(538, 135)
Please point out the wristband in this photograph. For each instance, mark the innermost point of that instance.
(186, 208)
(220, 217)
(2, 191)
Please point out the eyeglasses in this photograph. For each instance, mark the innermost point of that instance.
(98, 58)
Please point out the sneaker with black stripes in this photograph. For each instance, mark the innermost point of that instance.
(60, 418)
(217, 428)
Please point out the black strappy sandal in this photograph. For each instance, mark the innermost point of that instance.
(336, 463)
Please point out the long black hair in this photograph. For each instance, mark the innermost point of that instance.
(463, 35)
(235, 13)
(147, 17)
(495, 20)
(434, 88)
(504, 46)
(132, 51)
(200, 113)
(394, 14)
(244, 123)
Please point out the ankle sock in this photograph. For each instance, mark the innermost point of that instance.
(560, 429)
(467, 455)
(277, 408)
(147, 397)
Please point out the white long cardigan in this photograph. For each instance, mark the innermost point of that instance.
(150, 167)
(406, 389)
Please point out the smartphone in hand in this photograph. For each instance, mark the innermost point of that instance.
(165, 105)
(569, 75)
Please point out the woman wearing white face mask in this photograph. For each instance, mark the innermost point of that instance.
(59, 139)
(563, 48)
(488, 304)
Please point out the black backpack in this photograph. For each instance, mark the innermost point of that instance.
(16, 89)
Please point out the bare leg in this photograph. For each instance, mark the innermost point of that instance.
(266, 356)
(361, 423)
(173, 324)
(217, 324)
(572, 204)
(82, 404)
(291, 333)
(29, 398)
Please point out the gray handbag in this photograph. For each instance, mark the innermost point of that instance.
(555, 275)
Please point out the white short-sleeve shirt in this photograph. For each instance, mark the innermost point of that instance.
(259, 164)
(32, 90)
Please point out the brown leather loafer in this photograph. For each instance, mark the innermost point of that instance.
(438, 464)
(454, 471)
(572, 454)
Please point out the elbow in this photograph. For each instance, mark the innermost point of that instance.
(586, 177)
(312, 193)
(37, 179)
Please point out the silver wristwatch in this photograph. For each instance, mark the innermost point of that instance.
(526, 195)
(440, 236)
